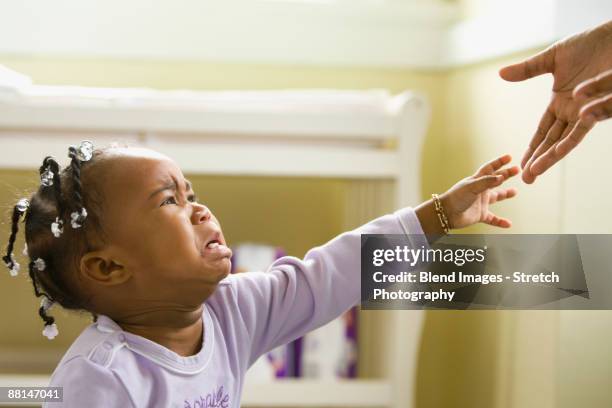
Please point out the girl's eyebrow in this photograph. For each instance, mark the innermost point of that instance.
(170, 185)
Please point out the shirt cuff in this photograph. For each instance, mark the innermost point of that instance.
(412, 227)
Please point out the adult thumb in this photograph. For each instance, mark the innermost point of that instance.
(541, 63)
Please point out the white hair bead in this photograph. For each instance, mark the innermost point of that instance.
(50, 331)
(14, 265)
(40, 264)
(57, 227)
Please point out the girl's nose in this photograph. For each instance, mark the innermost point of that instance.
(200, 214)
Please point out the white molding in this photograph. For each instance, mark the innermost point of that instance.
(266, 133)
(227, 155)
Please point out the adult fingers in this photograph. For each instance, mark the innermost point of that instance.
(493, 165)
(527, 176)
(546, 121)
(538, 64)
(502, 194)
(600, 84)
(553, 135)
(544, 162)
(597, 110)
(561, 149)
(496, 221)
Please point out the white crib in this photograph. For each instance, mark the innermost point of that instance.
(353, 135)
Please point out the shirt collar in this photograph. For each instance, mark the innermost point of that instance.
(160, 354)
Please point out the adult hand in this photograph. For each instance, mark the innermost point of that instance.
(599, 91)
(561, 128)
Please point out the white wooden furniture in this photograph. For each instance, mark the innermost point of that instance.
(353, 135)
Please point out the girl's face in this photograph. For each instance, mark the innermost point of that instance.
(158, 232)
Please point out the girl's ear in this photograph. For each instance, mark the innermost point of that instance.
(99, 267)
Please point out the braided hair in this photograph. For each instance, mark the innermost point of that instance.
(55, 251)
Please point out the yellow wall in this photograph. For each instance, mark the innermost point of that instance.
(466, 353)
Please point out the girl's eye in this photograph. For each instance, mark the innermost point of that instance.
(172, 200)
(169, 200)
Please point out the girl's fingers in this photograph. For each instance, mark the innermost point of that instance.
(507, 173)
(483, 183)
(496, 221)
(502, 194)
(493, 165)
(547, 120)
(597, 110)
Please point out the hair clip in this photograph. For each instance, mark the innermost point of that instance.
(85, 151)
(23, 205)
(77, 219)
(46, 178)
(40, 264)
(57, 227)
(12, 264)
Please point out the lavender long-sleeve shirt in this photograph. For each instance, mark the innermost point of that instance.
(248, 315)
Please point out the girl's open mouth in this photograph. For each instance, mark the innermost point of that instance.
(215, 248)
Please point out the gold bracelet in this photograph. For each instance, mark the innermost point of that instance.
(441, 214)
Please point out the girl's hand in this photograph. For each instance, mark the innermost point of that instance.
(467, 202)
